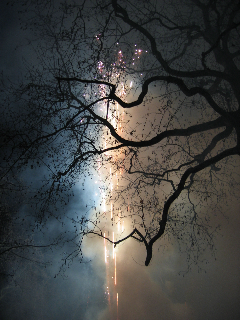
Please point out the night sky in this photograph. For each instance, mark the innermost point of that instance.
(164, 290)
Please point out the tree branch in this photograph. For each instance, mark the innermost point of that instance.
(180, 188)
(120, 12)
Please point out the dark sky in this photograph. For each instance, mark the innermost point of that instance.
(164, 290)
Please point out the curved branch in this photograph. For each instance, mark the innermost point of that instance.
(169, 79)
(182, 86)
(219, 122)
(181, 185)
(215, 140)
(121, 13)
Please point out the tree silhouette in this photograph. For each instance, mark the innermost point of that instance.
(149, 90)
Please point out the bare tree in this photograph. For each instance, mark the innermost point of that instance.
(151, 88)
